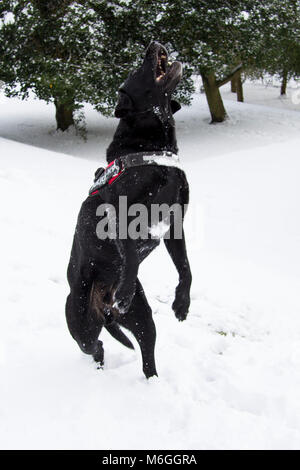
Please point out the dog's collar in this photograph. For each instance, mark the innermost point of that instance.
(118, 166)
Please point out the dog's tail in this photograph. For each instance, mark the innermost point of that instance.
(117, 333)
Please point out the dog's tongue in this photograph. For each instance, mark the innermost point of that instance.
(174, 72)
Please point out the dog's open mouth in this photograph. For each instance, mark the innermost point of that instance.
(166, 74)
(161, 67)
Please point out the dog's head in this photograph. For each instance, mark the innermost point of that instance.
(148, 90)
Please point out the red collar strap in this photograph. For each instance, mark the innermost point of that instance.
(106, 176)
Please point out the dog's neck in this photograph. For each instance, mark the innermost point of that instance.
(136, 135)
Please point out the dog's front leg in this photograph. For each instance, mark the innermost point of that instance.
(127, 274)
(177, 251)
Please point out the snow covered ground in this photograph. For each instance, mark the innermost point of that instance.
(229, 377)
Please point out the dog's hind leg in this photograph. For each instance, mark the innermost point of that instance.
(83, 322)
(139, 321)
(127, 274)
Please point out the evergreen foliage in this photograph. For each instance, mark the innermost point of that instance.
(70, 52)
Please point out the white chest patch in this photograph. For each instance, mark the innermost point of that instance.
(159, 230)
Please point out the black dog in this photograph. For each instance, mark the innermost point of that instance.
(102, 273)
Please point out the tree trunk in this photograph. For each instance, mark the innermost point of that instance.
(233, 85)
(214, 99)
(283, 84)
(239, 88)
(64, 115)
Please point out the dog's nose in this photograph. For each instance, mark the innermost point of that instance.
(155, 46)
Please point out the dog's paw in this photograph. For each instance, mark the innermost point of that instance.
(122, 306)
(98, 356)
(181, 307)
(122, 301)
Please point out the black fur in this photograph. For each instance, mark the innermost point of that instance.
(103, 273)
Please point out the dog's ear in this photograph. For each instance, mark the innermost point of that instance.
(124, 105)
(175, 106)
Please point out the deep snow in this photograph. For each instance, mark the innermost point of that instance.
(229, 377)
